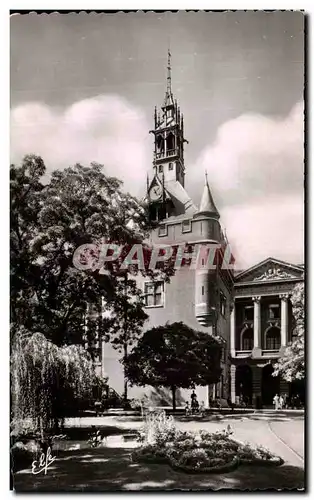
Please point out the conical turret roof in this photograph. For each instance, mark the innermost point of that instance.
(207, 205)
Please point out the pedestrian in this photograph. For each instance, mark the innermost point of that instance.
(187, 409)
(202, 409)
(276, 402)
(194, 402)
(281, 402)
(284, 400)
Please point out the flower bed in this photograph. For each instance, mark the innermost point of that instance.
(197, 452)
(257, 456)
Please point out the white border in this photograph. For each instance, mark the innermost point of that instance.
(4, 137)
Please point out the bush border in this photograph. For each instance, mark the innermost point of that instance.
(271, 462)
(227, 467)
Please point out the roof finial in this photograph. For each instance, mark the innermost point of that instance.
(169, 72)
(206, 179)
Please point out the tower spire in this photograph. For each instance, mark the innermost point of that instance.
(169, 73)
(169, 101)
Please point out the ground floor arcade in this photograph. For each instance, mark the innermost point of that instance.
(253, 384)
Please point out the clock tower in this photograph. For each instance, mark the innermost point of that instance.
(168, 163)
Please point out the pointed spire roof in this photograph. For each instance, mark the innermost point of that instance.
(169, 101)
(207, 206)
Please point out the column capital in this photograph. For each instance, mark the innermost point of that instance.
(284, 296)
(257, 298)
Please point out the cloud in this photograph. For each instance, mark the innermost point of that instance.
(105, 129)
(270, 228)
(254, 156)
(255, 170)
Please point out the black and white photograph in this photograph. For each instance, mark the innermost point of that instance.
(157, 251)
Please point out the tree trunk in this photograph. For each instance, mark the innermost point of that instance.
(173, 390)
(125, 346)
(125, 379)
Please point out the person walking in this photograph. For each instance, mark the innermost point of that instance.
(194, 402)
(276, 402)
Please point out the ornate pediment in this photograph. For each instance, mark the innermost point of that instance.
(274, 273)
(270, 270)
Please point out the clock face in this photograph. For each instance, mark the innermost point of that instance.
(155, 193)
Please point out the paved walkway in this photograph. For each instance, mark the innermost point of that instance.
(283, 437)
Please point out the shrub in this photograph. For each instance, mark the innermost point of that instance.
(22, 427)
(158, 429)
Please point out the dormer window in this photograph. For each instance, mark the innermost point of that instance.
(186, 226)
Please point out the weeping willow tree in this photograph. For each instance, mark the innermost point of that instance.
(47, 380)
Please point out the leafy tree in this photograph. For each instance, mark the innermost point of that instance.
(79, 205)
(291, 366)
(174, 356)
(49, 221)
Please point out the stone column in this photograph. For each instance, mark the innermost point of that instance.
(257, 323)
(284, 319)
(233, 383)
(232, 330)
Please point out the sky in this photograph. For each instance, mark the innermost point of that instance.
(84, 88)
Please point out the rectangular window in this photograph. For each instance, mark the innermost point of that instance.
(170, 166)
(161, 169)
(154, 294)
(162, 230)
(186, 226)
(273, 311)
(203, 290)
(223, 304)
(248, 313)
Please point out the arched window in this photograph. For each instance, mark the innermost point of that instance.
(170, 143)
(273, 340)
(247, 340)
(159, 143)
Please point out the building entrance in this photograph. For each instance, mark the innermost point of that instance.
(244, 384)
(270, 385)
